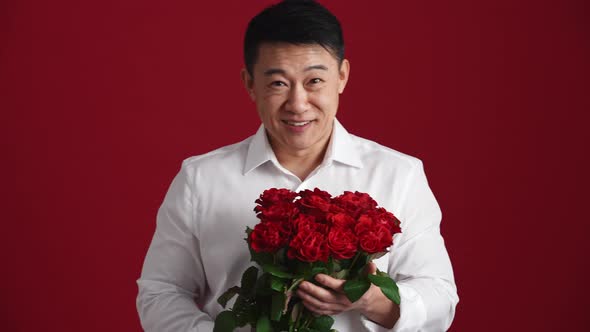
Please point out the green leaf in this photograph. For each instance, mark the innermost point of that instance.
(277, 306)
(277, 271)
(280, 256)
(261, 258)
(354, 289)
(228, 295)
(282, 325)
(262, 285)
(278, 284)
(263, 324)
(245, 311)
(225, 322)
(249, 282)
(381, 273)
(322, 323)
(306, 329)
(317, 270)
(300, 268)
(387, 285)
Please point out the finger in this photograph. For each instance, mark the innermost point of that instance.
(320, 307)
(322, 294)
(326, 280)
(318, 311)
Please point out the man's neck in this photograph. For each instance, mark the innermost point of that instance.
(301, 163)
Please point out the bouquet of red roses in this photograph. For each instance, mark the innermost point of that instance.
(300, 235)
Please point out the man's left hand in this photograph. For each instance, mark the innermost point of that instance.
(332, 300)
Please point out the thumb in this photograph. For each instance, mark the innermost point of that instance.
(371, 268)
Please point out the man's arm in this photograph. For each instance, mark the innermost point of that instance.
(172, 275)
(419, 261)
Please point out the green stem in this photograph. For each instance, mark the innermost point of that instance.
(296, 326)
(356, 257)
(308, 319)
(295, 283)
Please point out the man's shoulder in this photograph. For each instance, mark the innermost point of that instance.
(225, 156)
(373, 152)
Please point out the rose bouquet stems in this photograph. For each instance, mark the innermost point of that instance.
(300, 235)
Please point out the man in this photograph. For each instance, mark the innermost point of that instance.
(295, 71)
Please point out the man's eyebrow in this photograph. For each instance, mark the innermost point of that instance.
(272, 71)
(321, 67)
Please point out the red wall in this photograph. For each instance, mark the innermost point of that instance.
(101, 100)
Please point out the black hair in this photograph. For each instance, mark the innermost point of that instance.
(299, 22)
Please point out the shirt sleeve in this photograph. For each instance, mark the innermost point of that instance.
(419, 262)
(172, 278)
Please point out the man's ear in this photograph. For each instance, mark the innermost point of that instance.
(248, 81)
(343, 75)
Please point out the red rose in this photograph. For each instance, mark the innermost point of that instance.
(305, 222)
(373, 236)
(309, 246)
(342, 243)
(276, 205)
(286, 229)
(364, 224)
(316, 202)
(278, 212)
(387, 219)
(355, 203)
(266, 237)
(275, 196)
(336, 208)
(340, 220)
(376, 240)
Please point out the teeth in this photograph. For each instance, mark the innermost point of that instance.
(297, 124)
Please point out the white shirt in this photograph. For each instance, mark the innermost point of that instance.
(198, 249)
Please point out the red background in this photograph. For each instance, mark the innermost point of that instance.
(101, 100)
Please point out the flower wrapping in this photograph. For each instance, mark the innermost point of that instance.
(300, 235)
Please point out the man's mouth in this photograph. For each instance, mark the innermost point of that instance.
(296, 123)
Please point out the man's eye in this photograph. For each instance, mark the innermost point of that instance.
(316, 80)
(278, 84)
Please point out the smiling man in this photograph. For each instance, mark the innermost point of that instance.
(294, 72)
(296, 94)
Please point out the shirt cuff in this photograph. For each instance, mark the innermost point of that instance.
(412, 313)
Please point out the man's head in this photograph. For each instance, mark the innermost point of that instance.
(295, 71)
(298, 22)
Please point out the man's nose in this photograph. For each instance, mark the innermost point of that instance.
(298, 99)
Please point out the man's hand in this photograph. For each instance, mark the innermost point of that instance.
(373, 304)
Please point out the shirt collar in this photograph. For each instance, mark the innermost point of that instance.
(341, 149)
(259, 151)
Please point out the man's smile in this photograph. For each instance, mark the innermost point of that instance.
(296, 123)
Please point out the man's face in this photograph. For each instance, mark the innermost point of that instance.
(296, 90)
